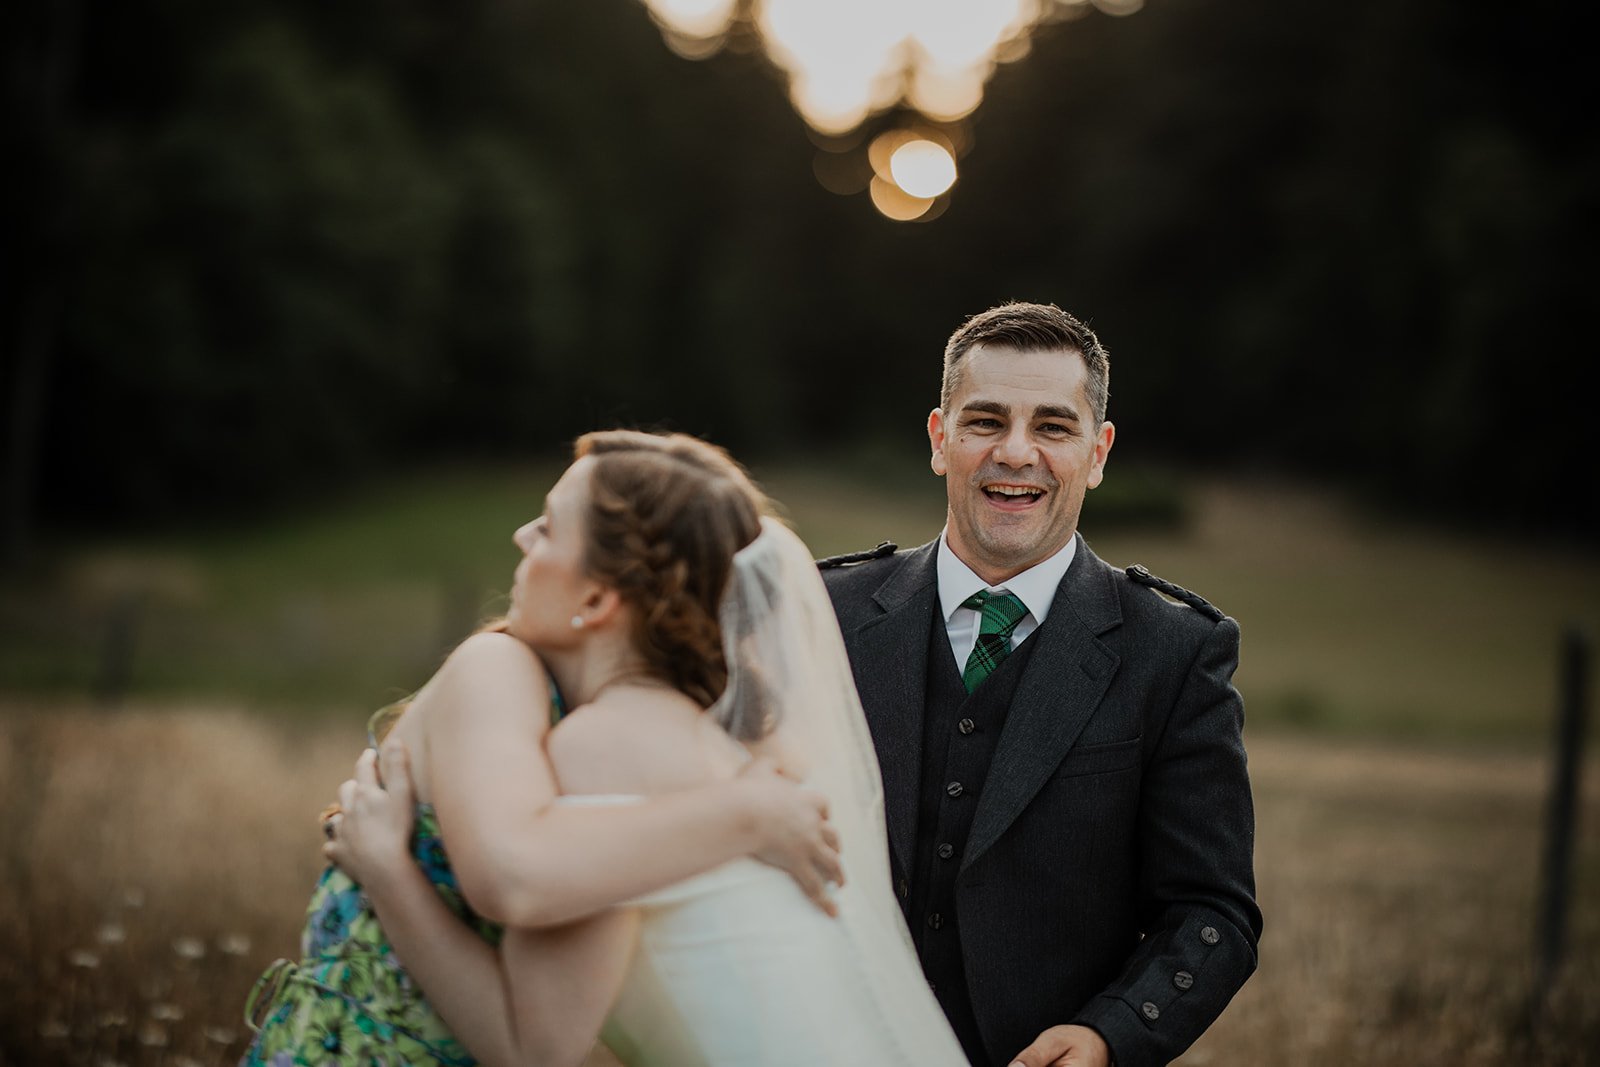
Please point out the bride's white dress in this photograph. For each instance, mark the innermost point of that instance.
(736, 968)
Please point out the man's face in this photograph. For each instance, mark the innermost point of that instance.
(1018, 449)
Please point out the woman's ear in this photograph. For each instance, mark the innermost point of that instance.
(602, 604)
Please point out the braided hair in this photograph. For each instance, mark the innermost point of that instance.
(666, 514)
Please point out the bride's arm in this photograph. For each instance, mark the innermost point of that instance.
(524, 861)
(539, 999)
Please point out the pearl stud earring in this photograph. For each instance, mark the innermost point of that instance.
(577, 622)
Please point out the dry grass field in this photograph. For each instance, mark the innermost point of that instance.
(157, 860)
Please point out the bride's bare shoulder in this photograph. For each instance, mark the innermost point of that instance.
(637, 741)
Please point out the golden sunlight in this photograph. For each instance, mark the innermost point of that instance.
(894, 203)
(693, 18)
(847, 61)
(922, 168)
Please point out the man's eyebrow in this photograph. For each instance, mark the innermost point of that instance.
(988, 407)
(1056, 411)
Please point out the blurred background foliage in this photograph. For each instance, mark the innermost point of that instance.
(304, 301)
(261, 251)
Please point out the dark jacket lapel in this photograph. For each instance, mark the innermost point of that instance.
(895, 645)
(1062, 685)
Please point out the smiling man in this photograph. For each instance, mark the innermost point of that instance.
(1069, 812)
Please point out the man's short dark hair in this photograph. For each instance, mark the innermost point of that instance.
(1030, 328)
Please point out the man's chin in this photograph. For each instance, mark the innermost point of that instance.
(1017, 545)
(1011, 551)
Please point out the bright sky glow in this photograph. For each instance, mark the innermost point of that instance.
(848, 60)
(838, 54)
(962, 34)
(944, 94)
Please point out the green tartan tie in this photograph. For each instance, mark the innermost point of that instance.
(1001, 612)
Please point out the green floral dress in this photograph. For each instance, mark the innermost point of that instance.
(349, 1000)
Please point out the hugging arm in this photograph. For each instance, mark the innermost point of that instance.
(524, 861)
(1197, 885)
(540, 998)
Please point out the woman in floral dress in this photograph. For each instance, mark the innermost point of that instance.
(349, 1000)
(526, 861)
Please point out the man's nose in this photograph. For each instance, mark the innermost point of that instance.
(523, 536)
(1016, 448)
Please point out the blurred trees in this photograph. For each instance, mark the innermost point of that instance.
(292, 242)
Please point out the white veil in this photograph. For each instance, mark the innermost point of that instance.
(790, 690)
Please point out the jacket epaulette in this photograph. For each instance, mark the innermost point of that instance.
(885, 548)
(1177, 592)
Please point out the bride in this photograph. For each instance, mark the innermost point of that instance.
(690, 635)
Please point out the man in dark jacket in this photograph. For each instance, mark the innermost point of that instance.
(1069, 812)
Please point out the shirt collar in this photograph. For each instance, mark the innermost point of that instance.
(1035, 587)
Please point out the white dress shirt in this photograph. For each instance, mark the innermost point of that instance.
(1035, 587)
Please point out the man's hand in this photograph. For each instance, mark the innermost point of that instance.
(793, 828)
(1065, 1046)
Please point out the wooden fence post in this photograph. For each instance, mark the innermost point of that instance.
(1556, 887)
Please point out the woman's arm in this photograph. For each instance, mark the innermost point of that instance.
(524, 861)
(539, 999)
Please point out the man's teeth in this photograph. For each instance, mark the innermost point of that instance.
(1013, 490)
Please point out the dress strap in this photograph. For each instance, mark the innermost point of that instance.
(265, 992)
(558, 707)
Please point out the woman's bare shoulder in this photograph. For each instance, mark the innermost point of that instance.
(492, 654)
(493, 648)
(490, 696)
(638, 742)
(488, 674)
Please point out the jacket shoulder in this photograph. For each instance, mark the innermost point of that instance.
(1141, 576)
(885, 548)
(854, 585)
